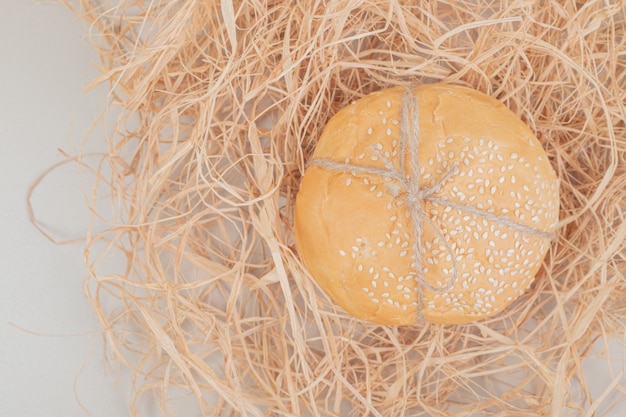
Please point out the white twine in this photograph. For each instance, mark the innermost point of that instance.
(415, 197)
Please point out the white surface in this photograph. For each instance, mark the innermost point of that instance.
(44, 64)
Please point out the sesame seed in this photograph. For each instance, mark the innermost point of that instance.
(342, 253)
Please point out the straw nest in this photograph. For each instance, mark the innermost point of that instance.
(215, 107)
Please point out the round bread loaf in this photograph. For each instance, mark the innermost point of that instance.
(458, 247)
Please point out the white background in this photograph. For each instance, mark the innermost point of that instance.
(51, 352)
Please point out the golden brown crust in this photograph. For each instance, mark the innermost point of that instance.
(355, 238)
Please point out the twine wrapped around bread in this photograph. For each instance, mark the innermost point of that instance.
(405, 185)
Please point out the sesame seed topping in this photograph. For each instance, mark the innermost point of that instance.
(488, 257)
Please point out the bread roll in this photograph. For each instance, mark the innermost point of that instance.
(355, 232)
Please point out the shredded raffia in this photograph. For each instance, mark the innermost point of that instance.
(216, 107)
